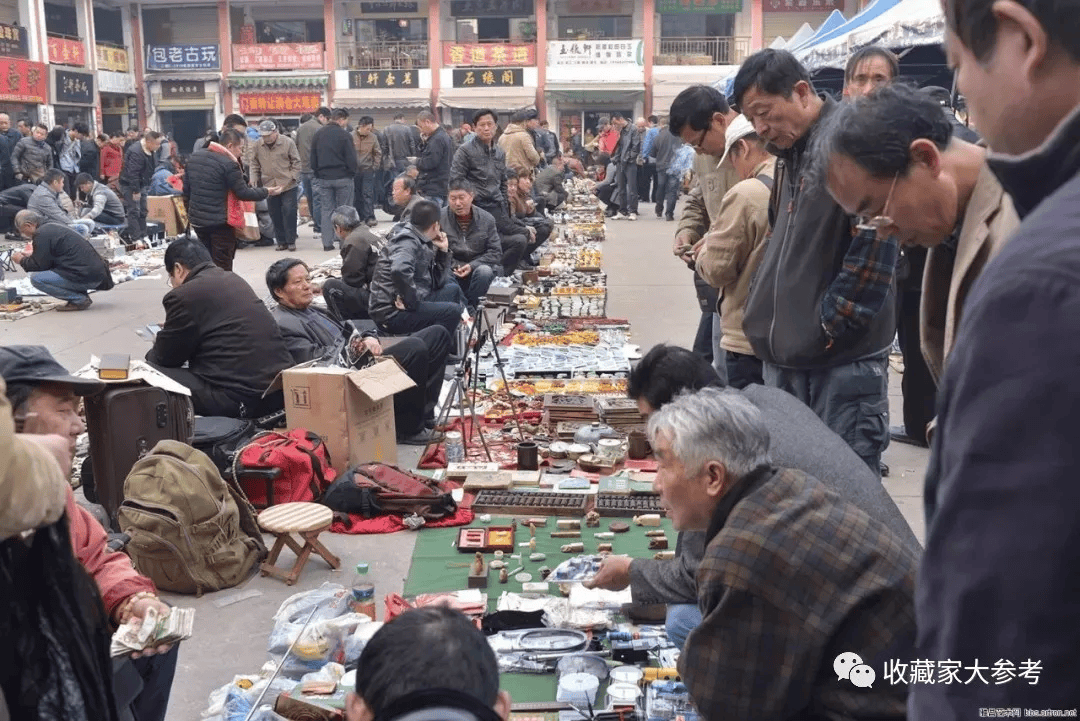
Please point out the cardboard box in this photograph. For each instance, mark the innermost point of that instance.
(352, 411)
(163, 209)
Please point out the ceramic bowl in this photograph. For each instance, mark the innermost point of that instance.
(577, 450)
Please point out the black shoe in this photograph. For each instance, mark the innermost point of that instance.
(669, 217)
(292, 247)
(422, 438)
(280, 248)
(75, 306)
(884, 469)
(899, 434)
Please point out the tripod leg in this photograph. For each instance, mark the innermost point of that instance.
(478, 423)
(506, 384)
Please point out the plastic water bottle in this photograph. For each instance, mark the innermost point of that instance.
(362, 594)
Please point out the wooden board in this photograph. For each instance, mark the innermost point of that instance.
(531, 503)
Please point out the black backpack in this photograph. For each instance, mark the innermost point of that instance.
(221, 438)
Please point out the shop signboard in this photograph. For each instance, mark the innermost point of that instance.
(183, 57)
(398, 7)
(110, 81)
(488, 8)
(73, 88)
(489, 78)
(489, 54)
(279, 103)
(802, 6)
(109, 58)
(596, 61)
(183, 89)
(683, 7)
(23, 81)
(278, 56)
(13, 41)
(64, 51)
(386, 79)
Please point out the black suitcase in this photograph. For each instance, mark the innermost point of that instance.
(123, 424)
(221, 438)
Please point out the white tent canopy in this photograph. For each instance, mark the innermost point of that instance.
(801, 35)
(908, 23)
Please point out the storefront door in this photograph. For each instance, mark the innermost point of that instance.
(185, 127)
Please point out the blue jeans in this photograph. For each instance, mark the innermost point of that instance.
(476, 284)
(332, 194)
(667, 193)
(365, 194)
(682, 618)
(51, 283)
(312, 199)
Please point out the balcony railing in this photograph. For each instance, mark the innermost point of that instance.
(702, 51)
(383, 56)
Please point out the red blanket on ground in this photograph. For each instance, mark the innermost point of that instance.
(389, 524)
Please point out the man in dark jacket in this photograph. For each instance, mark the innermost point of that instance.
(799, 440)
(312, 333)
(305, 135)
(998, 579)
(549, 184)
(333, 163)
(222, 331)
(9, 136)
(402, 144)
(12, 201)
(211, 174)
(32, 156)
(627, 153)
(411, 288)
(89, 152)
(348, 296)
(135, 178)
(663, 150)
(61, 263)
(475, 250)
(436, 153)
(821, 314)
(483, 163)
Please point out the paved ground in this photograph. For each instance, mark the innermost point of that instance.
(646, 285)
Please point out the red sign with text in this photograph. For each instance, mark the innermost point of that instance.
(280, 103)
(278, 56)
(63, 51)
(489, 54)
(23, 81)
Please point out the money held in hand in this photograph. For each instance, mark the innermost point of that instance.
(153, 630)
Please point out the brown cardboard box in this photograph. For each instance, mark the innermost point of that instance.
(352, 411)
(162, 209)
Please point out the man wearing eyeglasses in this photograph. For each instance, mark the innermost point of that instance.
(821, 314)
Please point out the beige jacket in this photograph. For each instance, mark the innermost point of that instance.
(701, 209)
(33, 489)
(732, 251)
(368, 150)
(275, 165)
(989, 221)
(518, 145)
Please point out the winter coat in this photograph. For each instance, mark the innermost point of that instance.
(103, 200)
(31, 158)
(518, 145)
(112, 162)
(61, 249)
(209, 178)
(138, 169)
(333, 155)
(368, 151)
(305, 134)
(401, 141)
(479, 244)
(359, 253)
(484, 167)
(48, 203)
(436, 154)
(277, 165)
(410, 266)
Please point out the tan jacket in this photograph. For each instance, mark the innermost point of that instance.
(33, 489)
(368, 151)
(277, 165)
(732, 252)
(518, 145)
(988, 223)
(712, 181)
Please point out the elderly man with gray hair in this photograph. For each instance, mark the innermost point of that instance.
(795, 581)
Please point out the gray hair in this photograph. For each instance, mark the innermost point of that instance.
(29, 217)
(345, 217)
(714, 424)
(426, 115)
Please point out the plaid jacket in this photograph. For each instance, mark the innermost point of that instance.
(861, 288)
(792, 577)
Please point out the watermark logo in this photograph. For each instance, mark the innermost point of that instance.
(850, 667)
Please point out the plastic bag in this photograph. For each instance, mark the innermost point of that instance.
(332, 600)
(354, 644)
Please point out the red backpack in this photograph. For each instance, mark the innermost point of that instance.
(374, 489)
(300, 455)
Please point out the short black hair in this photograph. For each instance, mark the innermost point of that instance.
(339, 113)
(234, 119)
(974, 23)
(461, 184)
(872, 51)
(425, 649)
(425, 214)
(521, 116)
(186, 251)
(153, 135)
(277, 275)
(694, 108)
(52, 175)
(82, 179)
(81, 128)
(654, 119)
(876, 131)
(231, 136)
(668, 370)
(323, 111)
(399, 116)
(482, 112)
(365, 120)
(773, 72)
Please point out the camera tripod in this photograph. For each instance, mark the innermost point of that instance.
(481, 331)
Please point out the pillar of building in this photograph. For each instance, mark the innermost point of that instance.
(541, 60)
(330, 34)
(225, 54)
(434, 25)
(90, 33)
(648, 30)
(138, 64)
(757, 25)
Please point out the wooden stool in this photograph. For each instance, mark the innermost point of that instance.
(306, 519)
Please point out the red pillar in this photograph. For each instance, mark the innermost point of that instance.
(330, 32)
(434, 27)
(649, 32)
(136, 58)
(225, 53)
(757, 25)
(541, 59)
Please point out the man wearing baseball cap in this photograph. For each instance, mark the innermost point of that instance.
(732, 249)
(276, 163)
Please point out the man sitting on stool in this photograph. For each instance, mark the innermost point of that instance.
(348, 297)
(475, 248)
(103, 206)
(310, 332)
(61, 262)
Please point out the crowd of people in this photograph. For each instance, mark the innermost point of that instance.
(818, 229)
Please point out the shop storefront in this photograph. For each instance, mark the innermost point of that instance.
(119, 107)
(485, 21)
(72, 97)
(285, 97)
(382, 94)
(588, 81)
(27, 82)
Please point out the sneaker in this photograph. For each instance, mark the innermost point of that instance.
(618, 216)
(632, 216)
(422, 438)
(75, 306)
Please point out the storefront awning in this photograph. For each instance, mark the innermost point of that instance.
(595, 92)
(367, 98)
(504, 99)
(193, 75)
(184, 103)
(277, 80)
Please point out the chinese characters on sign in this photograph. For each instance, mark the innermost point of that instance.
(280, 103)
(66, 52)
(595, 53)
(675, 7)
(386, 79)
(389, 6)
(22, 81)
(584, 7)
(13, 41)
(73, 88)
(182, 57)
(493, 54)
(278, 56)
(489, 78)
(925, 671)
(482, 8)
(115, 59)
(186, 89)
(802, 6)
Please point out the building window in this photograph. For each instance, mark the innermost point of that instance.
(594, 27)
(390, 31)
(697, 25)
(108, 26)
(61, 20)
(289, 31)
(516, 30)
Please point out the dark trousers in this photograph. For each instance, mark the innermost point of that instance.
(210, 400)
(513, 241)
(423, 356)
(136, 214)
(365, 194)
(345, 301)
(476, 284)
(283, 214)
(308, 179)
(917, 384)
(667, 193)
(107, 219)
(442, 308)
(142, 685)
(628, 190)
(646, 175)
(220, 240)
(743, 370)
(707, 297)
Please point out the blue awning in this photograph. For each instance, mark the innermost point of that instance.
(835, 20)
(870, 13)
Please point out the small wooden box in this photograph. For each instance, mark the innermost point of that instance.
(486, 540)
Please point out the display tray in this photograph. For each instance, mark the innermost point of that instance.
(486, 540)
